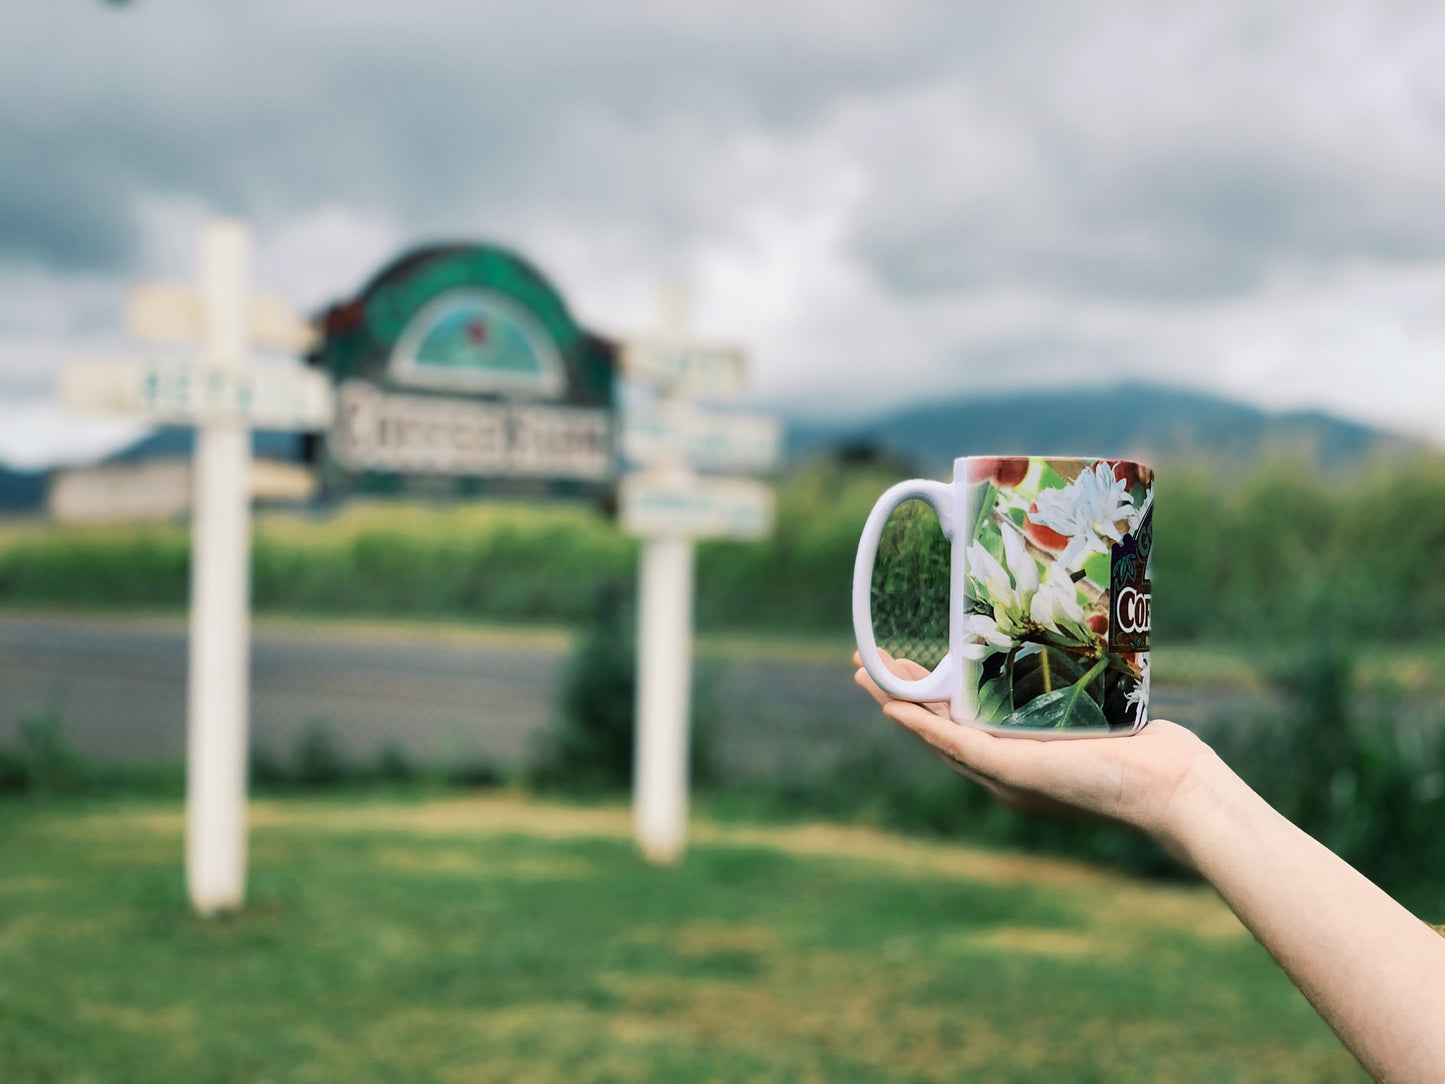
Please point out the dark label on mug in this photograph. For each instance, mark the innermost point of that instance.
(1129, 589)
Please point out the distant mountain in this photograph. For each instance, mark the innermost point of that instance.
(21, 491)
(1146, 421)
(1158, 424)
(170, 442)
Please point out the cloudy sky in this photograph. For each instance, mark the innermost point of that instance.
(884, 200)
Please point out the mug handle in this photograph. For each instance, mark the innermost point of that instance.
(936, 685)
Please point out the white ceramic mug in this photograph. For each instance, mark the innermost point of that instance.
(1050, 600)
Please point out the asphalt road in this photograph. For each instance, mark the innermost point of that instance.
(118, 685)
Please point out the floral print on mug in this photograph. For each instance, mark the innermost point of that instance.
(1057, 614)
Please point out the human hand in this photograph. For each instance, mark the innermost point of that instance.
(1136, 780)
(1374, 971)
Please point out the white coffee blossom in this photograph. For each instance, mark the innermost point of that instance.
(985, 635)
(1138, 698)
(1056, 600)
(1021, 602)
(1087, 512)
(993, 576)
(1136, 517)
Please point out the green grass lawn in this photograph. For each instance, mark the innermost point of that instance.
(501, 939)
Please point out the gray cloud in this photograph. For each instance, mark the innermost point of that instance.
(431, 111)
(1173, 152)
(877, 165)
(442, 114)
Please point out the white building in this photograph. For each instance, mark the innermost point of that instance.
(153, 480)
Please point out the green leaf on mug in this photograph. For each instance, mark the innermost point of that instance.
(994, 698)
(995, 685)
(1145, 535)
(1069, 708)
(1051, 479)
(985, 506)
(1126, 567)
(1043, 671)
(1061, 709)
(1117, 664)
(1096, 568)
(1061, 637)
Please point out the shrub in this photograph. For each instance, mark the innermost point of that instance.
(591, 748)
(319, 760)
(1348, 769)
(42, 761)
(1248, 554)
(391, 764)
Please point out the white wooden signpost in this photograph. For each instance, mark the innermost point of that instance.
(674, 366)
(669, 506)
(224, 398)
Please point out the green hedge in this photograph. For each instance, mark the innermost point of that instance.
(1272, 553)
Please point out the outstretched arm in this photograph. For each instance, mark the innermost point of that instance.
(1372, 970)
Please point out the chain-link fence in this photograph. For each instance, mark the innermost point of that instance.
(911, 586)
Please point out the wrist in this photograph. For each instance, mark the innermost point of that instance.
(1198, 802)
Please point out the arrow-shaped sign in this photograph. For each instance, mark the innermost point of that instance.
(183, 393)
(160, 312)
(664, 432)
(680, 368)
(684, 506)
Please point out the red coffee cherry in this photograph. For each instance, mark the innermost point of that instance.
(1004, 471)
(1046, 537)
(1099, 624)
(1011, 471)
(1131, 473)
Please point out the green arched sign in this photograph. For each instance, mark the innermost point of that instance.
(458, 369)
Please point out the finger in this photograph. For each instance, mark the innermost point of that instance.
(904, 668)
(865, 680)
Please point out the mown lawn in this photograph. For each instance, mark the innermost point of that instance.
(501, 939)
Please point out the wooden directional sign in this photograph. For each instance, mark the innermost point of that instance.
(670, 432)
(184, 393)
(669, 506)
(685, 506)
(681, 368)
(160, 312)
(222, 396)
